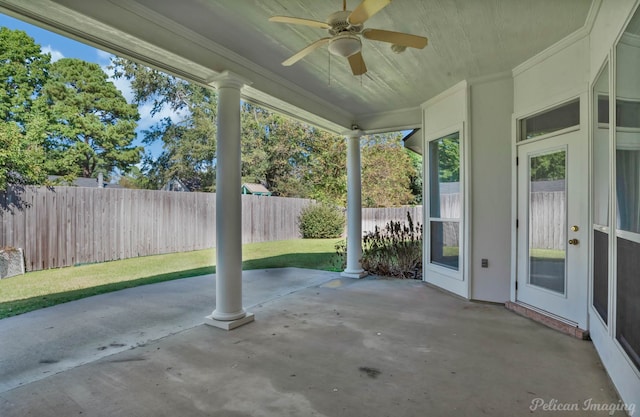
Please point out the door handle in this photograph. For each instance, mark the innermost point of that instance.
(574, 228)
(573, 241)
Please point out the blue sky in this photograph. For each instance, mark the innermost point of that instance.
(61, 47)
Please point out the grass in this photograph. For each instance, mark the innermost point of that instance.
(40, 289)
(546, 253)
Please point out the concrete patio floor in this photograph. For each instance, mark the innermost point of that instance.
(320, 346)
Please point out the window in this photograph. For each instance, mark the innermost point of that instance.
(627, 113)
(445, 201)
(556, 119)
(601, 196)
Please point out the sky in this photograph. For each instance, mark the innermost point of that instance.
(61, 47)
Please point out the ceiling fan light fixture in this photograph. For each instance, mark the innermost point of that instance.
(345, 45)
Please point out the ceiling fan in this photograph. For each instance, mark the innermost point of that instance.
(346, 27)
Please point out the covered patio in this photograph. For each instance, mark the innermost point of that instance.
(321, 346)
(524, 93)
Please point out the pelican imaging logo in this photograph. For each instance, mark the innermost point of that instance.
(539, 404)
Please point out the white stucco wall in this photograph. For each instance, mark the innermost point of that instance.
(491, 107)
(553, 76)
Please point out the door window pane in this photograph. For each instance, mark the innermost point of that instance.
(547, 220)
(601, 151)
(628, 188)
(601, 273)
(628, 296)
(601, 195)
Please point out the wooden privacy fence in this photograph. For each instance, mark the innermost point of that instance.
(547, 214)
(64, 226)
(547, 218)
(372, 217)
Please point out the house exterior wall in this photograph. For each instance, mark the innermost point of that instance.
(569, 70)
(552, 77)
(488, 110)
(491, 108)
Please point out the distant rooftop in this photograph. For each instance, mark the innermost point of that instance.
(82, 182)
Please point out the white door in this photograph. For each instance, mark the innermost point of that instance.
(552, 224)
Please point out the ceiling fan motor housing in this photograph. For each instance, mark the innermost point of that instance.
(339, 22)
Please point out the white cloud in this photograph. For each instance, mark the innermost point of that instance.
(147, 120)
(103, 55)
(55, 54)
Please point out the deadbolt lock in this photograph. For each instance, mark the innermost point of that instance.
(574, 228)
(573, 241)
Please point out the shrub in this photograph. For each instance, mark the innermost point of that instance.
(340, 258)
(321, 221)
(394, 251)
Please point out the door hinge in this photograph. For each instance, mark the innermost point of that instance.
(516, 285)
(517, 223)
(517, 161)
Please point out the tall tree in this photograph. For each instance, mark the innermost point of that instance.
(274, 151)
(23, 72)
(386, 172)
(21, 157)
(94, 125)
(188, 136)
(326, 174)
(415, 176)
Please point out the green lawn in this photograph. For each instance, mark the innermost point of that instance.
(546, 253)
(40, 289)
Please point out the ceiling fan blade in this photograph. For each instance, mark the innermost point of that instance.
(306, 51)
(365, 10)
(358, 66)
(396, 38)
(299, 21)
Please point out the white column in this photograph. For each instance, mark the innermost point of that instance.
(228, 313)
(354, 208)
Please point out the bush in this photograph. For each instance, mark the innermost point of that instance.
(321, 221)
(394, 251)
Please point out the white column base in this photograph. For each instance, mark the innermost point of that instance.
(357, 274)
(229, 324)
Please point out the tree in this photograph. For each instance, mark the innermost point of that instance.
(415, 176)
(188, 138)
(386, 172)
(274, 151)
(326, 174)
(23, 71)
(21, 157)
(94, 125)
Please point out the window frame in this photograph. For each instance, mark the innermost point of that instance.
(460, 273)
